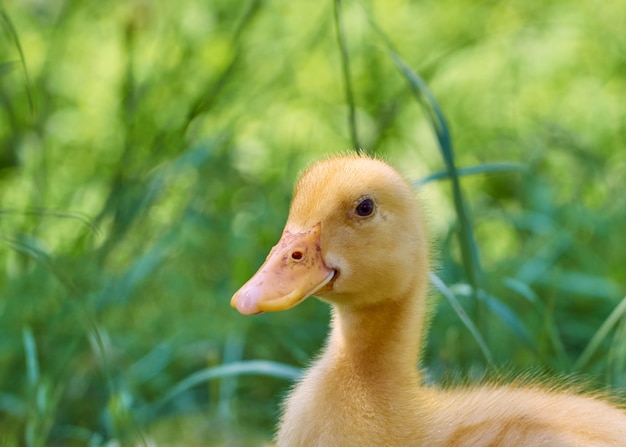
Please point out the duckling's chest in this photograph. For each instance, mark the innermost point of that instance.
(341, 408)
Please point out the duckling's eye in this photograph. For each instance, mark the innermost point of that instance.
(365, 208)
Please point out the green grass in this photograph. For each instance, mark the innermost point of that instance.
(148, 152)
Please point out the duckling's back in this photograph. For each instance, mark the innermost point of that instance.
(520, 417)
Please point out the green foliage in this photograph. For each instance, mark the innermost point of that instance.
(148, 150)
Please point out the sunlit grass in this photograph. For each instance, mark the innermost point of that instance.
(149, 152)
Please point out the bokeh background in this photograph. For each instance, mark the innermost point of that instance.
(147, 155)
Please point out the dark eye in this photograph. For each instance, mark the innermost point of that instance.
(365, 208)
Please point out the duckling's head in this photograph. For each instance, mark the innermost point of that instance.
(354, 237)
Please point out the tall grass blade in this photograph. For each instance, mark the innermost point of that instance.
(118, 396)
(347, 77)
(487, 168)
(558, 352)
(600, 335)
(44, 212)
(256, 367)
(522, 289)
(233, 352)
(31, 248)
(119, 291)
(206, 101)
(509, 318)
(151, 364)
(8, 25)
(30, 350)
(617, 357)
(421, 92)
(469, 250)
(499, 309)
(465, 319)
(34, 249)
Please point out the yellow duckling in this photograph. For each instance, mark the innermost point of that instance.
(355, 237)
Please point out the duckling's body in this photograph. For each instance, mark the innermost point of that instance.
(355, 237)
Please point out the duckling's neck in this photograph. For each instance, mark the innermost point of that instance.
(365, 378)
(379, 340)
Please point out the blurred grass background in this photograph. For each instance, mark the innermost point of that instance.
(148, 151)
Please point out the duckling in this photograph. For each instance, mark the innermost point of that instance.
(355, 237)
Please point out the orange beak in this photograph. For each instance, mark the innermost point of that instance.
(294, 270)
